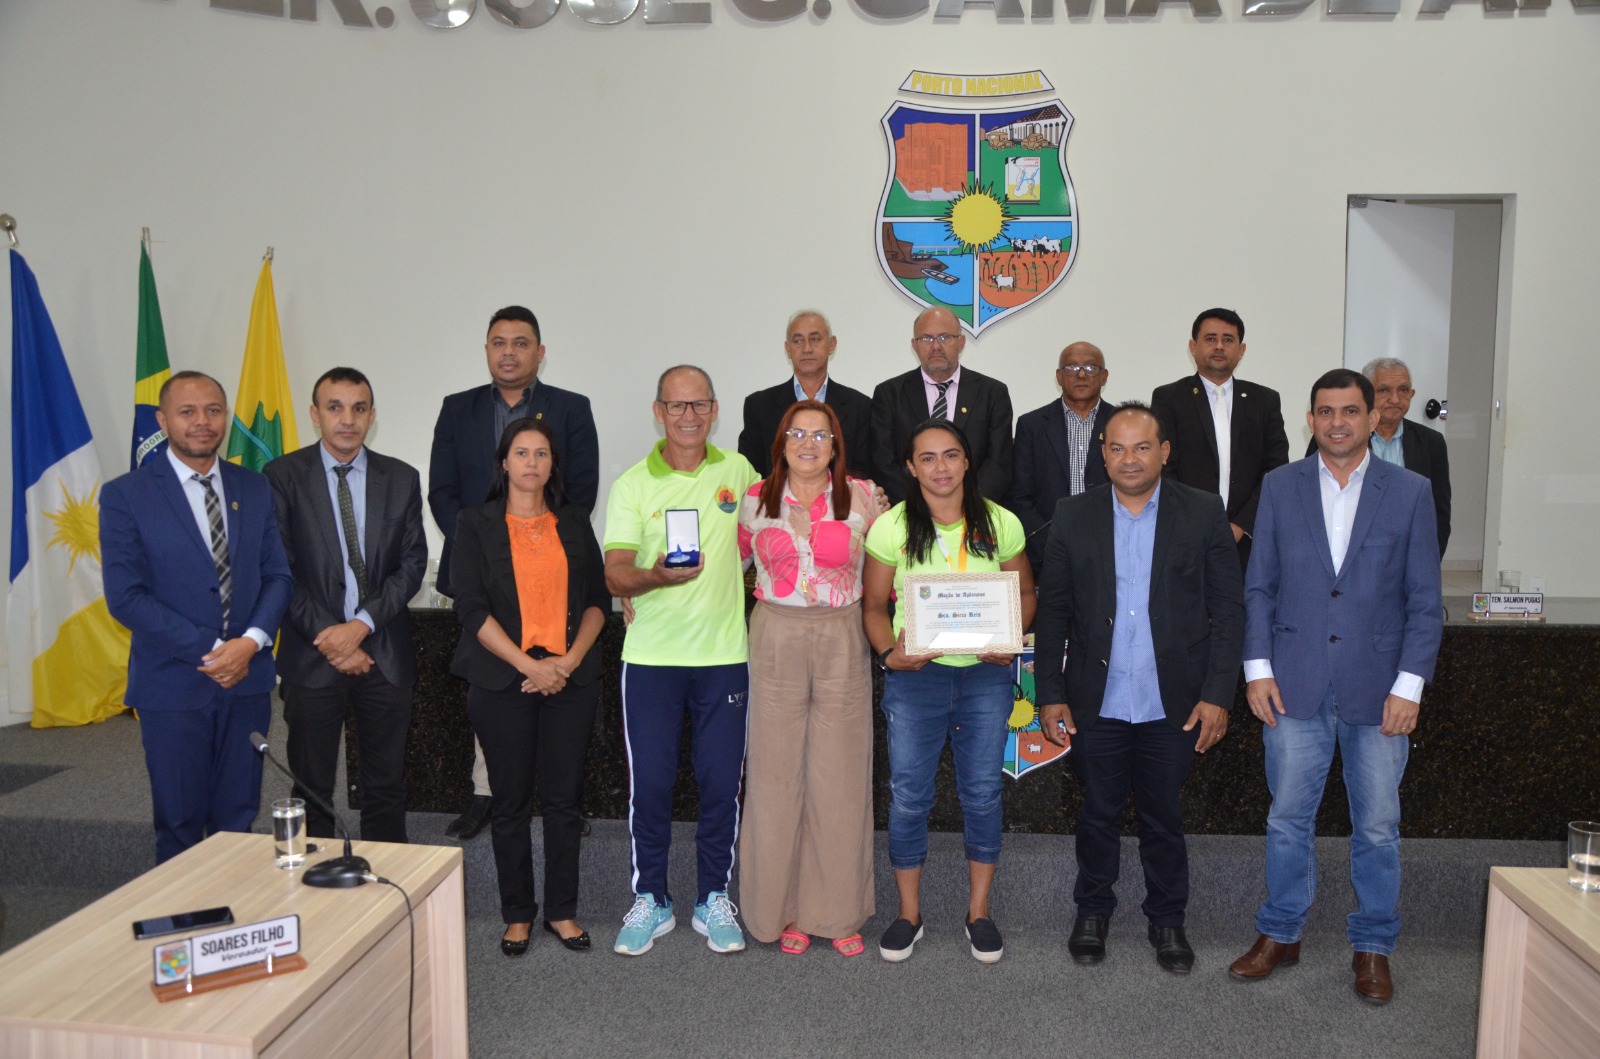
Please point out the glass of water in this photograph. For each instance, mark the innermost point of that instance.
(1583, 855)
(289, 832)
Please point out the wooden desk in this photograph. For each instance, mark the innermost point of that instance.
(82, 988)
(1541, 967)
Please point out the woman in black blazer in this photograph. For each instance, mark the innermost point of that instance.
(533, 709)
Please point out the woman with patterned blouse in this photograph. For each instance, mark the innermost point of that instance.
(805, 847)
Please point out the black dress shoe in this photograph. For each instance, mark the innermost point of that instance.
(580, 943)
(516, 948)
(585, 831)
(1088, 941)
(1172, 949)
(469, 823)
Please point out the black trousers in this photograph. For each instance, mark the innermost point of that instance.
(535, 744)
(1150, 760)
(316, 716)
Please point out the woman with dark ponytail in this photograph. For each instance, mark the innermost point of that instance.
(943, 526)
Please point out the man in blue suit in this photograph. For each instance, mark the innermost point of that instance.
(1343, 618)
(194, 567)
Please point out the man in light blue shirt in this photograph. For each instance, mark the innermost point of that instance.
(351, 522)
(1141, 578)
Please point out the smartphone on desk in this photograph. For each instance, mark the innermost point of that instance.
(181, 922)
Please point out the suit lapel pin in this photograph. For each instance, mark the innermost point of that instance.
(1194, 390)
(236, 505)
(963, 409)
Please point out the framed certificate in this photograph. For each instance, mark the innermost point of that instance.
(963, 614)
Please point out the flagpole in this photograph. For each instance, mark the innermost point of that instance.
(268, 255)
(144, 237)
(9, 224)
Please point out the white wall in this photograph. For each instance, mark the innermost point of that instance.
(660, 194)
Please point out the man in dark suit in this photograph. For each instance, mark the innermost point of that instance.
(1403, 442)
(942, 389)
(1226, 433)
(810, 344)
(193, 566)
(461, 465)
(1142, 578)
(1058, 450)
(1343, 618)
(351, 522)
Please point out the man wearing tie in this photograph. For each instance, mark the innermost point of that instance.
(351, 521)
(940, 388)
(193, 566)
(1226, 433)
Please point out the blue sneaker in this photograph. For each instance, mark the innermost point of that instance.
(645, 922)
(715, 920)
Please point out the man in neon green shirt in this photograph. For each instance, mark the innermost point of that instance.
(686, 650)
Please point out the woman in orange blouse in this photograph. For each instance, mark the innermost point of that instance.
(530, 590)
(805, 847)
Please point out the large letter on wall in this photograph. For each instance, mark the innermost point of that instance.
(770, 10)
(1043, 9)
(675, 12)
(251, 7)
(892, 8)
(1003, 9)
(535, 14)
(351, 13)
(444, 14)
(1202, 8)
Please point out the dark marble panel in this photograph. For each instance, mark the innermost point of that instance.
(1507, 747)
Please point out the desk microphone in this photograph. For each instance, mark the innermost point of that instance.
(340, 872)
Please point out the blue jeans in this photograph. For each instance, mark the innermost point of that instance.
(969, 705)
(1299, 753)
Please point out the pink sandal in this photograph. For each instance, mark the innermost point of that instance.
(851, 946)
(794, 942)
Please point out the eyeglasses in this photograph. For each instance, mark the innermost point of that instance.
(819, 436)
(1087, 371)
(677, 408)
(935, 340)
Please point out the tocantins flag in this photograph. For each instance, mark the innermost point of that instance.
(68, 656)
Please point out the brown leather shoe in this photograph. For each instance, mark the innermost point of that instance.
(1264, 957)
(1373, 983)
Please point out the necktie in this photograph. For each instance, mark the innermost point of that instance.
(219, 548)
(352, 539)
(941, 410)
(1221, 421)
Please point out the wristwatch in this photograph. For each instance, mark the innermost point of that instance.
(883, 658)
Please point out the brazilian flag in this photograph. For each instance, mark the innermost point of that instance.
(151, 367)
(263, 416)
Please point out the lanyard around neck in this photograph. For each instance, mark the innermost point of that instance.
(959, 566)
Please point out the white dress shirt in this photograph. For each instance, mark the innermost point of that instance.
(195, 493)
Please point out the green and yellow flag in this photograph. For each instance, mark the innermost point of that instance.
(263, 411)
(151, 367)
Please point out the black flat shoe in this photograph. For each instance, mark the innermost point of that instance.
(471, 822)
(516, 948)
(580, 943)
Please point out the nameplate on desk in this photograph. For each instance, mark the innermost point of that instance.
(1507, 604)
(227, 950)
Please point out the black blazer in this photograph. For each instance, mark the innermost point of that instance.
(1259, 443)
(461, 466)
(1042, 476)
(396, 552)
(764, 409)
(983, 410)
(1423, 449)
(486, 586)
(1196, 604)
